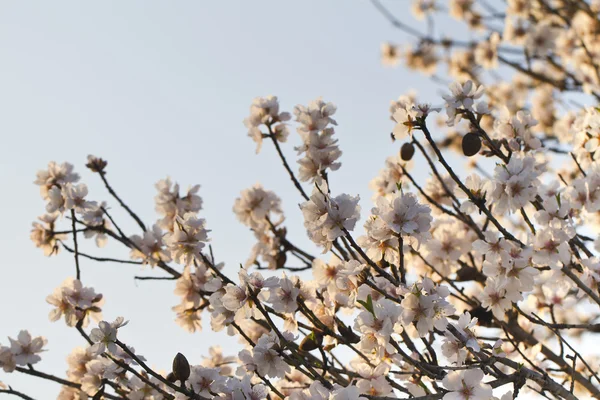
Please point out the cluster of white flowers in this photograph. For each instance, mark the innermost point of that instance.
(327, 218)
(55, 176)
(260, 210)
(265, 111)
(585, 136)
(426, 307)
(457, 286)
(59, 188)
(75, 302)
(434, 234)
(515, 184)
(187, 240)
(150, 247)
(319, 149)
(462, 97)
(267, 357)
(171, 204)
(386, 182)
(450, 243)
(508, 270)
(340, 279)
(195, 281)
(401, 216)
(516, 130)
(43, 236)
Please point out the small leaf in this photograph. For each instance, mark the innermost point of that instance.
(368, 305)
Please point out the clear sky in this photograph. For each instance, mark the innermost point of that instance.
(160, 89)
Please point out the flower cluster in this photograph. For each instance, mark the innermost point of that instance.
(265, 111)
(260, 210)
(171, 204)
(319, 149)
(187, 240)
(76, 303)
(327, 218)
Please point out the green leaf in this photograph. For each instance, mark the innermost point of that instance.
(368, 305)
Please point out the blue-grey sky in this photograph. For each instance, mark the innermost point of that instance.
(160, 89)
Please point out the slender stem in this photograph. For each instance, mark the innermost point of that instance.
(580, 284)
(16, 393)
(154, 278)
(100, 259)
(56, 379)
(401, 256)
(543, 380)
(156, 375)
(361, 252)
(75, 245)
(121, 202)
(286, 165)
(475, 201)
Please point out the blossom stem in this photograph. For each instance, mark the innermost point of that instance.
(16, 393)
(56, 379)
(75, 245)
(544, 381)
(360, 251)
(100, 259)
(527, 220)
(121, 202)
(475, 201)
(157, 375)
(401, 256)
(285, 164)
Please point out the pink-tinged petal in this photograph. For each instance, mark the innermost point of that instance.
(473, 377)
(453, 396)
(482, 391)
(453, 381)
(24, 338)
(54, 315)
(36, 344)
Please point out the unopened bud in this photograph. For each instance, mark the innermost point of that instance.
(311, 342)
(96, 164)
(471, 144)
(281, 259)
(407, 151)
(171, 377)
(181, 367)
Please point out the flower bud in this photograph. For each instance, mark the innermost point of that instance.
(471, 144)
(96, 164)
(281, 259)
(181, 367)
(311, 342)
(407, 151)
(171, 378)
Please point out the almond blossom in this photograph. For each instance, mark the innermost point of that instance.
(25, 349)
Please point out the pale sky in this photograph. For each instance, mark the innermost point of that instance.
(160, 89)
